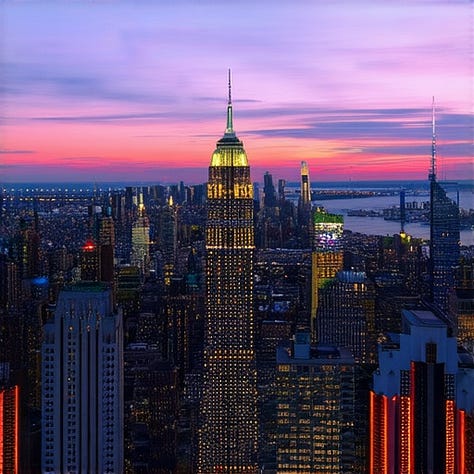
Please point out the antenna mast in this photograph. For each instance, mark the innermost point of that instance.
(230, 125)
(432, 175)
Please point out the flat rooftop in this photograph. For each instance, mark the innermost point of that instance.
(423, 318)
(87, 287)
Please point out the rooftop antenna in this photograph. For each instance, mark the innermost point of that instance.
(230, 127)
(432, 175)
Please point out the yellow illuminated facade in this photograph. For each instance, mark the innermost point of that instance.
(228, 428)
(315, 409)
(305, 184)
(327, 255)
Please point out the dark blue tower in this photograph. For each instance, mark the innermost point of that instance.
(444, 236)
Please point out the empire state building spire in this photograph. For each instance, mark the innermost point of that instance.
(230, 127)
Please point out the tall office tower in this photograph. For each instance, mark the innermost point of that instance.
(140, 255)
(229, 429)
(315, 408)
(82, 383)
(27, 249)
(272, 333)
(168, 239)
(305, 184)
(419, 401)
(90, 261)
(269, 198)
(151, 409)
(9, 283)
(444, 236)
(346, 315)
(464, 303)
(304, 209)
(107, 248)
(9, 429)
(327, 254)
(281, 189)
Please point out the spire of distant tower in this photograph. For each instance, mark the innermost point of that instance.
(229, 128)
(432, 175)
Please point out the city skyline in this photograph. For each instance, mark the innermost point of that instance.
(108, 92)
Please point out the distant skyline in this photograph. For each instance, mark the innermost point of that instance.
(136, 91)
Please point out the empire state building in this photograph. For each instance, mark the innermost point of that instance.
(228, 430)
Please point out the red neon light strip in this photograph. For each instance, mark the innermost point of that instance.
(16, 394)
(462, 442)
(1, 431)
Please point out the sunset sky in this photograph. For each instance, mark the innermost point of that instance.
(136, 91)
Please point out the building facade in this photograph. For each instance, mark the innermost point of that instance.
(9, 429)
(315, 408)
(346, 315)
(327, 255)
(417, 419)
(82, 383)
(229, 429)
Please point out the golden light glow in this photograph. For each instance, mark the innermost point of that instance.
(229, 156)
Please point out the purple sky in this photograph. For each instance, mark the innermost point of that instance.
(109, 91)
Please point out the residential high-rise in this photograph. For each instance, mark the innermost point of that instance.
(82, 383)
(315, 397)
(421, 401)
(444, 236)
(229, 429)
(305, 184)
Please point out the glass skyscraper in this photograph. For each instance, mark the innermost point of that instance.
(228, 431)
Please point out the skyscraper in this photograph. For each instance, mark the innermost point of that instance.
(229, 429)
(444, 236)
(346, 315)
(90, 261)
(327, 254)
(269, 197)
(168, 239)
(140, 256)
(304, 208)
(305, 184)
(82, 383)
(315, 408)
(107, 248)
(420, 401)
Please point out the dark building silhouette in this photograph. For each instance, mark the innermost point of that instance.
(269, 197)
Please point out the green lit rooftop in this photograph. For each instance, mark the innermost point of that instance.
(323, 217)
